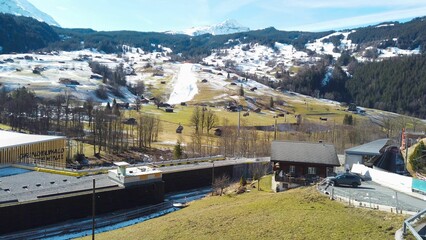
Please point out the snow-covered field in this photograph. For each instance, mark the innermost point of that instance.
(17, 70)
(185, 85)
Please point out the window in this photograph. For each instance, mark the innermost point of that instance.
(312, 170)
(292, 169)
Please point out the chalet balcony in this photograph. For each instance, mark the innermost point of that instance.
(296, 180)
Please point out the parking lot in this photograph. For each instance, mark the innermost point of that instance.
(373, 194)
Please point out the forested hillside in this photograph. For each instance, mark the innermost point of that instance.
(23, 34)
(397, 85)
(408, 35)
(189, 46)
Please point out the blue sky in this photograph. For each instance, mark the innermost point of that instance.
(163, 15)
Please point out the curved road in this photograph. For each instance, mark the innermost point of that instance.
(370, 192)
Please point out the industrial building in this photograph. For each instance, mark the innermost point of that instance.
(28, 148)
(364, 153)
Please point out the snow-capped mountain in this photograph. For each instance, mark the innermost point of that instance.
(25, 8)
(227, 27)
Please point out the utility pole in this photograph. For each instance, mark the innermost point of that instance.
(396, 201)
(275, 128)
(239, 118)
(93, 209)
(406, 149)
(212, 177)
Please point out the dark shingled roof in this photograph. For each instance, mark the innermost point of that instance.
(303, 152)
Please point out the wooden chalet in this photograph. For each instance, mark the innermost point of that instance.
(301, 162)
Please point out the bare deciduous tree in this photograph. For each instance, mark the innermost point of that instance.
(258, 170)
(211, 120)
(196, 119)
(221, 183)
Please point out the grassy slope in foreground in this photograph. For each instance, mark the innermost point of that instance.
(296, 214)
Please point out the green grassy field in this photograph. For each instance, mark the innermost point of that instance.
(296, 214)
(5, 127)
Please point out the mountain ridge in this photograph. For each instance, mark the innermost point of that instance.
(228, 26)
(25, 8)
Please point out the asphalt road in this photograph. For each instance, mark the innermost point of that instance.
(370, 192)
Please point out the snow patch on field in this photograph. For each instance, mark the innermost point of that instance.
(395, 52)
(321, 47)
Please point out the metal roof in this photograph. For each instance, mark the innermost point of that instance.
(371, 148)
(121, 164)
(12, 139)
(303, 152)
(33, 185)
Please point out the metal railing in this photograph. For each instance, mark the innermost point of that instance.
(388, 201)
(188, 160)
(411, 220)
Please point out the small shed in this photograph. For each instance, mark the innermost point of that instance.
(68, 81)
(123, 105)
(204, 80)
(253, 89)
(218, 132)
(179, 129)
(130, 121)
(169, 110)
(166, 105)
(96, 76)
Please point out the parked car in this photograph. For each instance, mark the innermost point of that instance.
(344, 179)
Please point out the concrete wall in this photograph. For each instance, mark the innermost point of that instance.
(391, 180)
(185, 180)
(352, 159)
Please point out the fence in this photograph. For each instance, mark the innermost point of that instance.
(409, 222)
(388, 201)
(189, 160)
